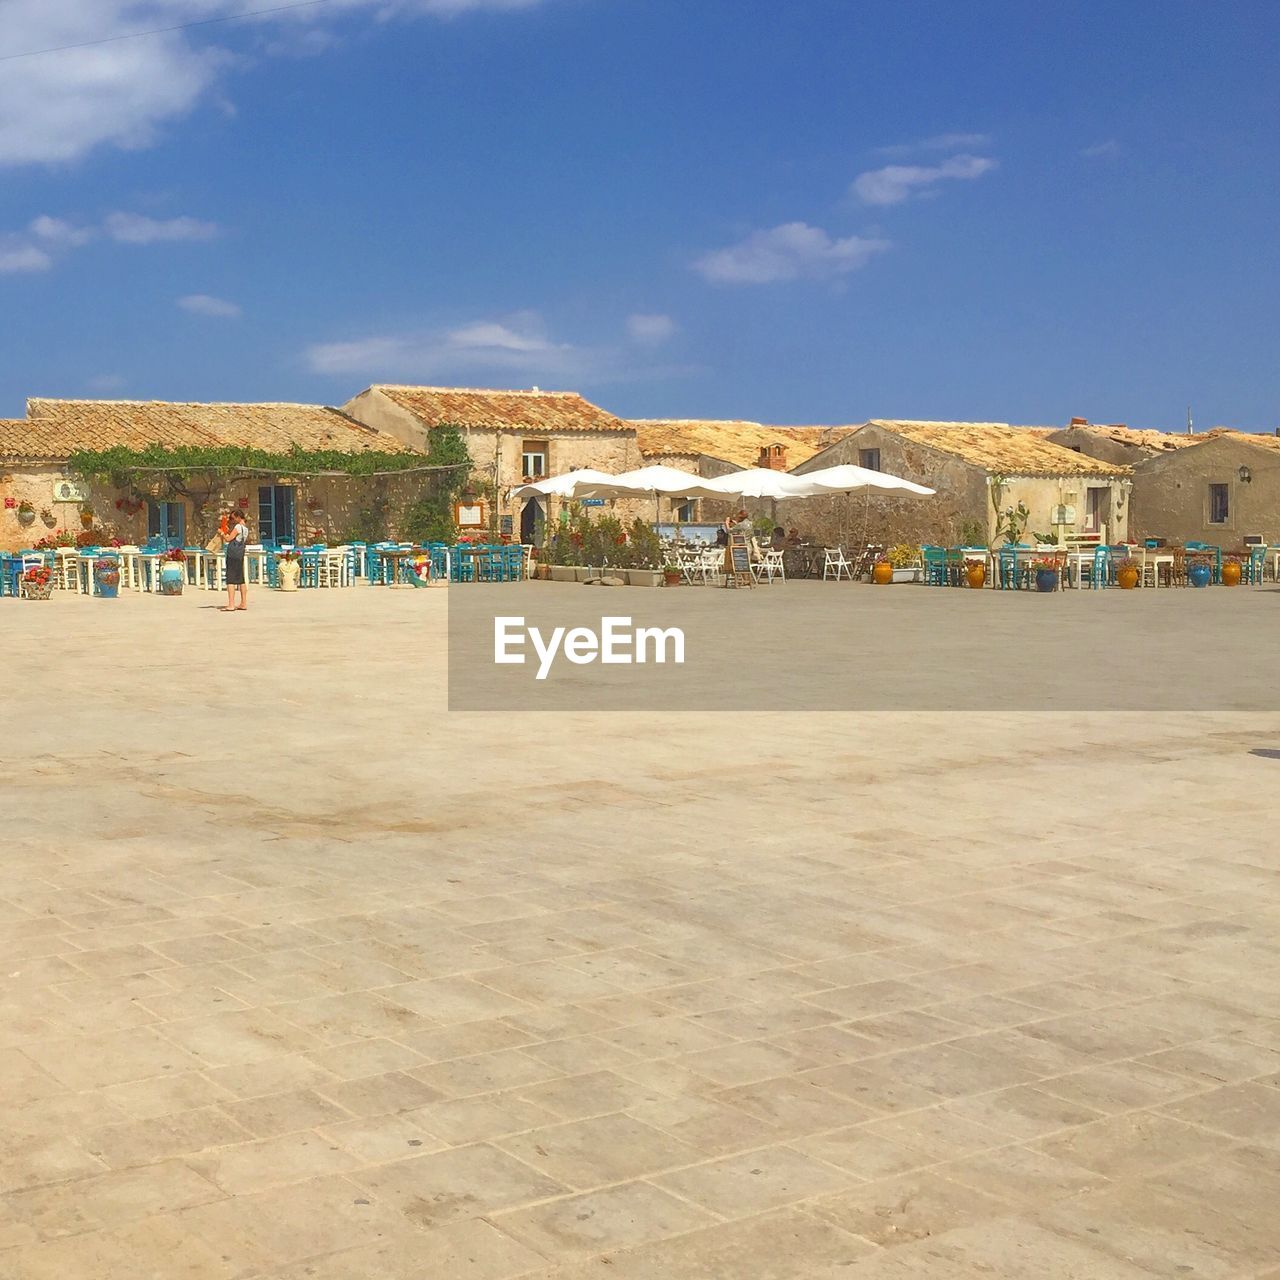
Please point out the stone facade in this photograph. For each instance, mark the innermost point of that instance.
(1174, 499)
(963, 503)
(501, 429)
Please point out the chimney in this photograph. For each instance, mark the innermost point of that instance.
(773, 457)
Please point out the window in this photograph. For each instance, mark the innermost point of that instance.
(1219, 506)
(869, 459)
(533, 458)
(167, 520)
(275, 513)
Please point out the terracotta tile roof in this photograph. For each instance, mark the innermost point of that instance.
(998, 447)
(21, 441)
(734, 441)
(534, 411)
(1270, 441)
(54, 429)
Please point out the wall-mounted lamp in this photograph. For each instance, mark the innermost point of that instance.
(1246, 476)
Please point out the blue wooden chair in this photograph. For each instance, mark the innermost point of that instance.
(1256, 566)
(935, 566)
(1013, 572)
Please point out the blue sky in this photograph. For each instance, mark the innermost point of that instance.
(811, 211)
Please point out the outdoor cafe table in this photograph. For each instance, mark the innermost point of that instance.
(141, 569)
(1153, 556)
(802, 561)
(395, 557)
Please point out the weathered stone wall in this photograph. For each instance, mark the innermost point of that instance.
(1094, 444)
(870, 517)
(499, 452)
(34, 483)
(327, 509)
(962, 502)
(1171, 493)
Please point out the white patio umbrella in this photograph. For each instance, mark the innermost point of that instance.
(760, 482)
(562, 486)
(658, 481)
(847, 478)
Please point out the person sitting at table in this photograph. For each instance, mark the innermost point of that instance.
(778, 541)
(794, 539)
(722, 536)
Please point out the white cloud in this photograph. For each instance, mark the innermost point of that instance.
(1102, 150)
(59, 107)
(515, 350)
(939, 142)
(47, 238)
(57, 231)
(107, 382)
(137, 228)
(23, 257)
(651, 329)
(517, 343)
(898, 182)
(203, 304)
(792, 251)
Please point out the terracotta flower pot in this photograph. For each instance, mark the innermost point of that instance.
(1127, 577)
(671, 577)
(976, 575)
(881, 572)
(1230, 574)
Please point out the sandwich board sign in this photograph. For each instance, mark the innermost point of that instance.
(737, 572)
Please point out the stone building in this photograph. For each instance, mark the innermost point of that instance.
(712, 447)
(978, 469)
(33, 469)
(1221, 489)
(512, 436)
(1117, 443)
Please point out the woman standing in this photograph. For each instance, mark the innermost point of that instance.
(237, 540)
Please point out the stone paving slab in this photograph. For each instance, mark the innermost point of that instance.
(304, 977)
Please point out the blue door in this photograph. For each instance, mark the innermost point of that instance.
(167, 522)
(275, 513)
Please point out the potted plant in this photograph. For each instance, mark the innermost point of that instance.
(26, 512)
(882, 570)
(173, 572)
(37, 583)
(1046, 572)
(645, 567)
(288, 570)
(1199, 573)
(1127, 574)
(1231, 571)
(106, 575)
(48, 519)
(86, 516)
(904, 559)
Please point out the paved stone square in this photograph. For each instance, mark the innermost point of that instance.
(306, 977)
